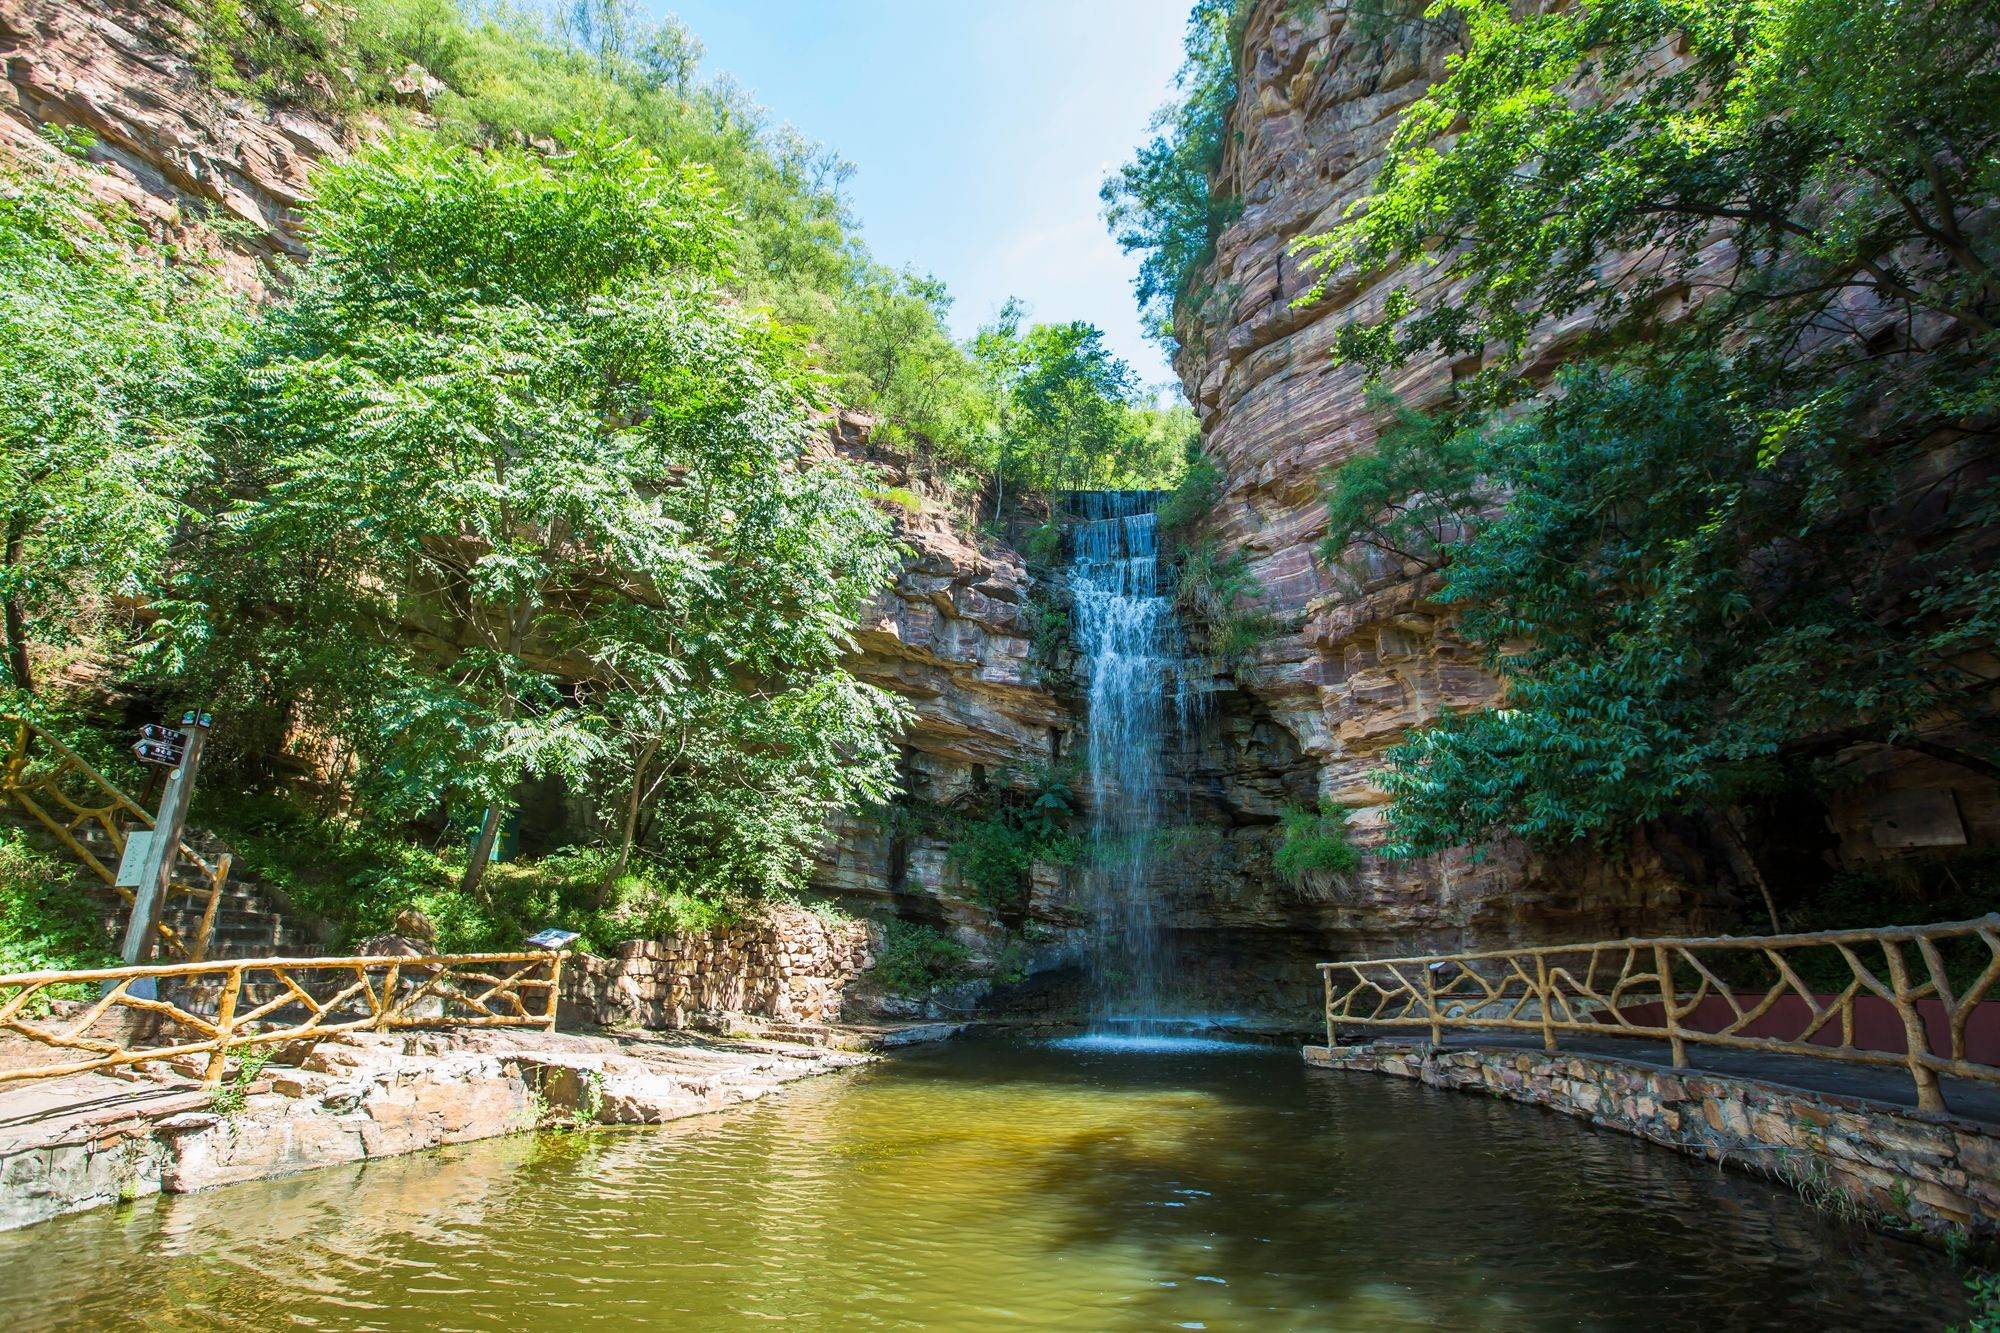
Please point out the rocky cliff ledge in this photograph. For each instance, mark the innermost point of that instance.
(951, 637)
(210, 172)
(1359, 663)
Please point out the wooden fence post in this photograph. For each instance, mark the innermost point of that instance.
(1326, 980)
(1930, 1096)
(389, 980)
(198, 950)
(1542, 991)
(1431, 1008)
(225, 1026)
(1668, 1006)
(555, 989)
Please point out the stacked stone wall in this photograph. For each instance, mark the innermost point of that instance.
(1931, 1175)
(784, 965)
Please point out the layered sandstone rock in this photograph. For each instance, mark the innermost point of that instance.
(1365, 655)
(207, 171)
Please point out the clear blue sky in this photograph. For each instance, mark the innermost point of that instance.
(979, 131)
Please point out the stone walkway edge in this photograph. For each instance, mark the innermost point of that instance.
(1896, 1169)
(87, 1141)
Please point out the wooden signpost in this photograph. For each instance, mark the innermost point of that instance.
(180, 751)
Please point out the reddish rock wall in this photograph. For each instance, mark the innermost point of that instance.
(1359, 663)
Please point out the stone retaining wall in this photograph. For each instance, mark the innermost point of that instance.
(1933, 1175)
(784, 964)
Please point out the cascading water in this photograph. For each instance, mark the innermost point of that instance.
(1131, 648)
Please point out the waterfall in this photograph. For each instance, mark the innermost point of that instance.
(1130, 646)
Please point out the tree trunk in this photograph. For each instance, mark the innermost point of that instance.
(1744, 864)
(632, 800)
(16, 617)
(482, 850)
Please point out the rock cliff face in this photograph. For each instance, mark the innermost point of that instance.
(1359, 663)
(205, 170)
(950, 637)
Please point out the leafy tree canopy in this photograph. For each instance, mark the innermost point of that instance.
(1162, 204)
(1751, 523)
(488, 519)
(102, 352)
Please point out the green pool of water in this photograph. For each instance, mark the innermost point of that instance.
(1002, 1184)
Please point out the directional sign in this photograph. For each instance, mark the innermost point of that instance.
(160, 745)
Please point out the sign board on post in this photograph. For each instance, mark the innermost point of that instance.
(149, 895)
(160, 745)
(132, 865)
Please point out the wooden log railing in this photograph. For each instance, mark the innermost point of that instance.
(267, 1002)
(63, 793)
(1746, 993)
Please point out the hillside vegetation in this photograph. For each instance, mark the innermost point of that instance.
(511, 505)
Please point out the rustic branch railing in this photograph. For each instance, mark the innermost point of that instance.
(64, 794)
(1725, 991)
(272, 1001)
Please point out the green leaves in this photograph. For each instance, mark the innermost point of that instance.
(104, 353)
(535, 496)
(1741, 529)
(1161, 204)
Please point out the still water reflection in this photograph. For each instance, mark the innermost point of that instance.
(996, 1184)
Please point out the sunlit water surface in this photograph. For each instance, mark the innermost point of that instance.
(993, 1184)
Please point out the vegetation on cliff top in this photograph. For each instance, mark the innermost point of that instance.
(1754, 523)
(1162, 204)
(527, 75)
(507, 499)
(468, 508)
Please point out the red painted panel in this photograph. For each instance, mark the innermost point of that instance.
(1876, 1026)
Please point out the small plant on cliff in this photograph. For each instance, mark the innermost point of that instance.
(1193, 497)
(1982, 1293)
(1314, 842)
(1046, 617)
(1043, 544)
(1219, 593)
(995, 851)
(916, 959)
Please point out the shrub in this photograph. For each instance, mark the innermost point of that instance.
(1042, 544)
(995, 851)
(1315, 842)
(1045, 616)
(916, 959)
(1212, 590)
(1193, 498)
(359, 878)
(45, 924)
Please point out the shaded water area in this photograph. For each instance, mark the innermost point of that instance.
(1005, 1184)
(1130, 646)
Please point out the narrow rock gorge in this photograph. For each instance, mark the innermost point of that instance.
(1354, 664)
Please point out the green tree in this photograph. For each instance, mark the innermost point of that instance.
(101, 351)
(1753, 525)
(543, 499)
(889, 353)
(1162, 204)
(1068, 408)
